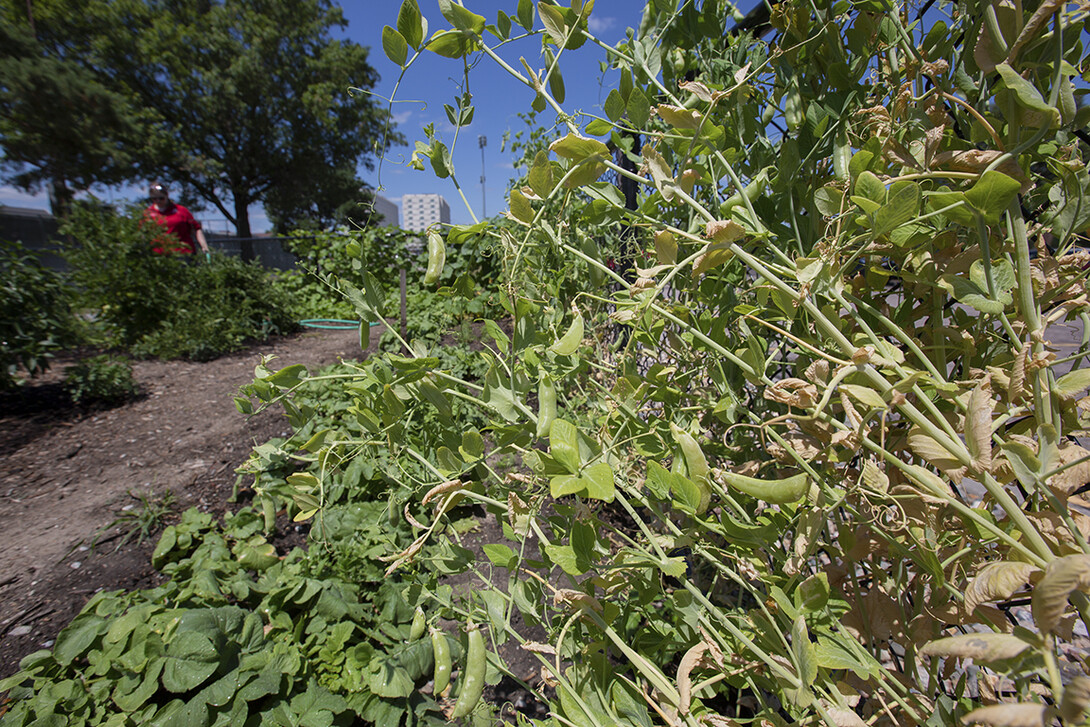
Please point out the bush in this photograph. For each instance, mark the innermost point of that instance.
(167, 306)
(35, 316)
(101, 380)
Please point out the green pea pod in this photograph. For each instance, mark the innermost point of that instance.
(546, 405)
(842, 157)
(695, 463)
(437, 257)
(776, 492)
(752, 191)
(473, 683)
(792, 108)
(441, 652)
(419, 622)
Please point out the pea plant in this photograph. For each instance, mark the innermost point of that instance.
(791, 439)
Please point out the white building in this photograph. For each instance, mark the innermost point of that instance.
(421, 211)
(385, 212)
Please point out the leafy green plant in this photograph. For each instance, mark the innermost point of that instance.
(100, 380)
(35, 316)
(139, 520)
(812, 428)
(168, 306)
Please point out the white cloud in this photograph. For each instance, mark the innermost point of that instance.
(18, 198)
(599, 25)
(402, 117)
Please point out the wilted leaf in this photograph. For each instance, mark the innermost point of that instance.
(935, 454)
(679, 117)
(997, 582)
(1062, 577)
(978, 426)
(1076, 700)
(661, 174)
(1007, 715)
(981, 648)
(665, 247)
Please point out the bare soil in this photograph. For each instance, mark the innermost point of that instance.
(67, 475)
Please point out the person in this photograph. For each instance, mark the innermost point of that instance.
(174, 219)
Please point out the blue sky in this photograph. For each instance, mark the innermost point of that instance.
(433, 81)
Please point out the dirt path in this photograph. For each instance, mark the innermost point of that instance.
(65, 475)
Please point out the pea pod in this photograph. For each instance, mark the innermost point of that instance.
(437, 257)
(419, 622)
(777, 492)
(752, 191)
(546, 405)
(473, 682)
(695, 463)
(792, 107)
(842, 157)
(441, 652)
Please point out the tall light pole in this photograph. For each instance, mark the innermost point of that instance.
(482, 142)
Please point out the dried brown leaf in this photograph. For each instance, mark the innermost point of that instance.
(997, 582)
(1062, 577)
(1032, 29)
(936, 455)
(983, 647)
(1075, 700)
(978, 426)
(1007, 715)
(689, 662)
(793, 392)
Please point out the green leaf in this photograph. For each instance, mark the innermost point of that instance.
(1073, 383)
(639, 108)
(452, 44)
(520, 207)
(461, 18)
(525, 14)
(599, 482)
(598, 127)
(288, 377)
(78, 637)
(962, 214)
(614, 105)
(411, 24)
(190, 659)
(828, 201)
(579, 148)
(499, 554)
(394, 46)
(992, 195)
(869, 186)
(803, 651)
(685, 492)
(503, 25)
(553, 20)
(1026, 93)
(540, 178)
(813, 593)
(902, 205)
(969, 293)
(565, 557)
(564, 445)
(659, 480)
(562, 485)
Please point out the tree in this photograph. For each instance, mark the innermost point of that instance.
(235, 101)
(61, 122)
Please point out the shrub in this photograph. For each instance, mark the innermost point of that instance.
(35, 316)
(167, 306)
(100, 380)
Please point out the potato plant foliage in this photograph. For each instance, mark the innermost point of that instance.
(773, 428)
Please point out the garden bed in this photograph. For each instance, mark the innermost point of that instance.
(68, 475)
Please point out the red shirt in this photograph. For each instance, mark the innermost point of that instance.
(179, 222)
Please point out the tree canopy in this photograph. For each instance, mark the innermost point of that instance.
(234, 101)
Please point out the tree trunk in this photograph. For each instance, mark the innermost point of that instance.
(242, 228)
(60, 198)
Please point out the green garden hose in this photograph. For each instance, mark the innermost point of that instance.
(335, 324)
